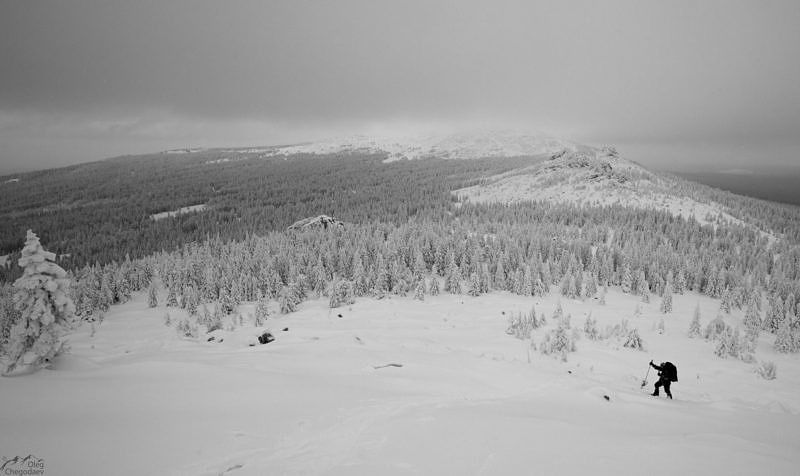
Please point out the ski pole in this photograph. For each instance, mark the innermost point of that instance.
(644, 382)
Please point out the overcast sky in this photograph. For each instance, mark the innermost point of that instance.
(671, 83)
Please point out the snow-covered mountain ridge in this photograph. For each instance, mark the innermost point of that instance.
(462, 145)
(484, 144)
(599, 177)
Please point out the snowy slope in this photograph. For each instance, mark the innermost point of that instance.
(464, 397)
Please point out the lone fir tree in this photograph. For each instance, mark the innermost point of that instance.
(46, 311)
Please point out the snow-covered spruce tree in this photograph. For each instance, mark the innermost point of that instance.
(627, 279)
(341, 293)
(41, 296)
(786, 341)
(633, 340)
(261, 311)
(287, 300)
(419, 290)
(190, 299)
(172, 298)
(715, 328)
(723, 343)
(695, 330)
(590, 328)
(474, 285)
(152, 295)
(727, 301)
(752, 321)
(666, 299)
(452, 275)
(532, 318)
(435, 288)
(558, 341)
(603, 293)
(521, 325)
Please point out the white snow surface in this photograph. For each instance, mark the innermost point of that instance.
(463, 145)
(596, 177)
(463, 398)
(180, 211)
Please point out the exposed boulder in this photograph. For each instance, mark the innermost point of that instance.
(265, 338)
(321, 221)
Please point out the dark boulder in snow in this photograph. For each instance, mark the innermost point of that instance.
(321, 221)
(265, 338)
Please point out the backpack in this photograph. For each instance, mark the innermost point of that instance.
(670, 371)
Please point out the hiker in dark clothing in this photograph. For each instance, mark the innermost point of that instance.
(667, 373)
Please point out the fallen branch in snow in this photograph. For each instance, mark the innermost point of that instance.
(376, 367)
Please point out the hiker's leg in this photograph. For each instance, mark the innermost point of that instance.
(655, 392)
(666, 388)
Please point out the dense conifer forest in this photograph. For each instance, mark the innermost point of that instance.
(101, 212)
(405, 234)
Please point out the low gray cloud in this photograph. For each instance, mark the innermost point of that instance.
(88, 79)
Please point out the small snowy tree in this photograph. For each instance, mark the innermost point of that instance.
(435, 287)
(694, 327)
(46, 311)
(785, 341)
(152, 295)
(590, 328)
(558, 342)
(666, 300)
(474, 285)
(419, 290)
(262, 311)
(172, 298)
(752, 321)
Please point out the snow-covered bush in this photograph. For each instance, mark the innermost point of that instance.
(262, 311)
(590, 328)
(167, 319)
(633, 340)
(767, 370)
(341, 294)
(187, 328)
(559, 342)
(46, 311)
(521, 325)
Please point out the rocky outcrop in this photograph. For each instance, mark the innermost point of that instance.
(321, 221)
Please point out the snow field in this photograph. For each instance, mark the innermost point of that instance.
(134, 398)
